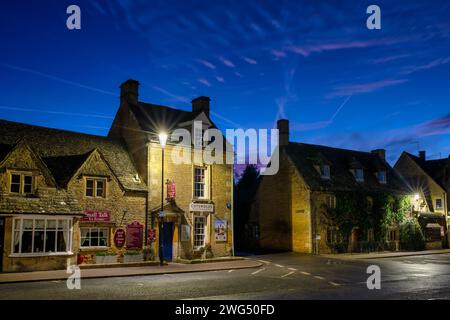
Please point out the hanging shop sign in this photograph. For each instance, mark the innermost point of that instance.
(134, 235)
(185, 232)
(119, 238)
(205, 207)
(220, 230)
(171, 190)
(96, 216)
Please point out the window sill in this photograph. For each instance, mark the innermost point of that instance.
(33, 255)
(94, 249)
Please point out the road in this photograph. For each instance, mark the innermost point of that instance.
(282, 276)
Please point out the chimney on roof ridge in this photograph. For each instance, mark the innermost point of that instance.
(283, 131)
(423, 155)
(380, 152)
(201, 104)
(129, 91)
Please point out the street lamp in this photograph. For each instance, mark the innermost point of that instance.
(162, 141)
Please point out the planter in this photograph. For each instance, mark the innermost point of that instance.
(133, 258)
(105, 259)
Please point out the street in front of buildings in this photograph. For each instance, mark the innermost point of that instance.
(281, 276)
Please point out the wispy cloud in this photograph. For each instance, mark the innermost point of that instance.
(227, 62)
(390, 58)
(352, 89)
(220, 79)
(207, 64)
(433, 64)
(249, 60)
(72, 114)
(58, 79)
(174, 97)
(204, 82)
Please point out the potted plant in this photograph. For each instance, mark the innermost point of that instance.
(105, 257)
(133, 256)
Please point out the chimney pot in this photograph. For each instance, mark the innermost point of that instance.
(129, 91)
(201, 104)
(380, 152)
(283, 131)
(423, 155)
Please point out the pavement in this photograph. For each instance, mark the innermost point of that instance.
(389, 254)
(128, 271)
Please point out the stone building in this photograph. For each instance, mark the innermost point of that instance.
(430, 182)
(289, 211)
(67, 196)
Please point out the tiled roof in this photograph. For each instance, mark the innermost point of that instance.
(306, 156)
(438, 170)
(53, 145)
(45, 201)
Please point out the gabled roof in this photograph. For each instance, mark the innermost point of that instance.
(54, 144)
(438, 170)
(341, 161)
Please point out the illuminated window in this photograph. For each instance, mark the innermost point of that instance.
(381, 175)
(325, 171)
(331, 201)
(359, 175)
(438, 203)
(199, 232)
(200, 183)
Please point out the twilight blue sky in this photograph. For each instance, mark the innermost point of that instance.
(314, 62)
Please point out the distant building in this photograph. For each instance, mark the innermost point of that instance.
(67, 197)
(430, 181)
(290, 208)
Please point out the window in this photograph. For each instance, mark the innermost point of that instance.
(94, 237)
(359, 175)
(331, 201)
(332, 235)
(95, 187)
(438, 204)
(325, 171)
(199, 232)
(200, 183)
(370, 235)
(393, 235)
(381, 175)
(21, 183)
(42, 236)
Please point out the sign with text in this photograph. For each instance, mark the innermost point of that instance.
(96, 216)
(205, 207)
(220, 230)
(185, 232)
(119, 238)
(171, 190)
(134, 235)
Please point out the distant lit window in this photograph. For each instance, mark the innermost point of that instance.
(94, 237)
(359, 175)
(21, 183)
(95, 187)
(199, 232)
(331, 201)
(381, 175)
(438, 203)
(200, 183)
(325, 171)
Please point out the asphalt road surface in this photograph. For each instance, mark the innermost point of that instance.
(282, 276)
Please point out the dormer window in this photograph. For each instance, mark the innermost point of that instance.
(325, 171)
(96, 187)
(359, 175)
(21, 183)
(381, 176)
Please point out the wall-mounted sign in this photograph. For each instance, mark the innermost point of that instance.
(119, 238)
(171, 189)
(205, 207)
(134, 235)
(96, 216)
(151, 235)
(185, 232)
(220, 230)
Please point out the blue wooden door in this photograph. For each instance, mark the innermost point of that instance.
(168, 237)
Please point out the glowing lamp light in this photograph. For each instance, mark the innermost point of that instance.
(163, 139)
(416, 196)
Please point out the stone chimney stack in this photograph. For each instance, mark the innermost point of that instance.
(283, 131)
(201, 104)
(129, 91)
(423, 155)
(380, 152)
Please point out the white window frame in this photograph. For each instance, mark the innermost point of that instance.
(22, 175)
(94, 186)
(435, 204)
(195, 234)
(331, 201)
(108, 231)
(205, 183)
(43, 253)
(325, 171)
(357, 178)
(384, 173)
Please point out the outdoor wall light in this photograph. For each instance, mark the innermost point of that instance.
(163, 139)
